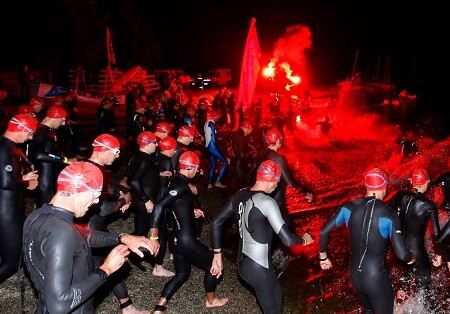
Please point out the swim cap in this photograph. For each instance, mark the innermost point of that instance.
(105, 142)
(145, 138)
(187, 131)
(37, 101)
(27, 109)
(22, 123)
(56, 112)
(375, 180)
(273, 135)
(419, 177)
(164, 127)
(268, 171)
(167, 143)
(189, 160)
(80, 177)
(58, 100)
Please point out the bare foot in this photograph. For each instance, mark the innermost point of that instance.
(160, 271)
(130, 309)
(217, 302)
(220, 185)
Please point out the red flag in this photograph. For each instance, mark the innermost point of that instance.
(109, 48)
(250, 67)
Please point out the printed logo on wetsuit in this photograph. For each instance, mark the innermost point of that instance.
(173, 192)
(8, 168)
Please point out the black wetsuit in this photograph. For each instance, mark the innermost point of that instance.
(280, 192)
(143, 177)
(241, 152)
(98, 217)
(45, 153)
(258, 217)
(13, 164)
(187, 250)
(415, 210)
(163, 163)
(371, 223)
(57, 254)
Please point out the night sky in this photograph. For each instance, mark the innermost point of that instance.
(200, 34)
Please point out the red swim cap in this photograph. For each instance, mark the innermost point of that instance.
(27, 109)
(22, 123)
(80, 177)
(56, 112)
(375, 180)
(189, 160)
(268, 171)
(145, 138)
(187, 131)
(164, 127)
(105, 142)
(273, 135)
(419, 177)
(37, 101)
(167, 143)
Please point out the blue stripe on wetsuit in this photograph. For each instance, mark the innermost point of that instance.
(385, 227)
(343, 216)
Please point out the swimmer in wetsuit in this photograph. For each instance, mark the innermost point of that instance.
(371, 224)
(415, 211)
(57, 252)
(15, 177)
(214, 152)
(106, 149)
(258, 218)
(187, 250)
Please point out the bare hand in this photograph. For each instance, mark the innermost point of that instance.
(137, 243)
(198, 213)
(437, 260)
(32, 184)
(308, 238)
(149, 206)
(193, 188)
(115, 259)
(166, 173)
(326, 264)
(217, 266)
(124, 208)
(32, 175)
(125, 196)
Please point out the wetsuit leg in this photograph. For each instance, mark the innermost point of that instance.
(141, 219)
(163, 238)
(182, 267)
(212, 170)
(215, 154)
(11, 229)
(265, 284)
(375, 293)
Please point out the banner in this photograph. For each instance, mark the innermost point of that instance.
(250, 67)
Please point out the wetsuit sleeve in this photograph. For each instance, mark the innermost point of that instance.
(10, 178)
(40, 147)
(343, 215)
(98, 239)
(286, 174)
(396, 238)
(62, 296)
(136, 178)
(225, 212)
(269, 208)
(432, 210)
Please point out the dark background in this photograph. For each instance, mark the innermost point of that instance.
(199, 34)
